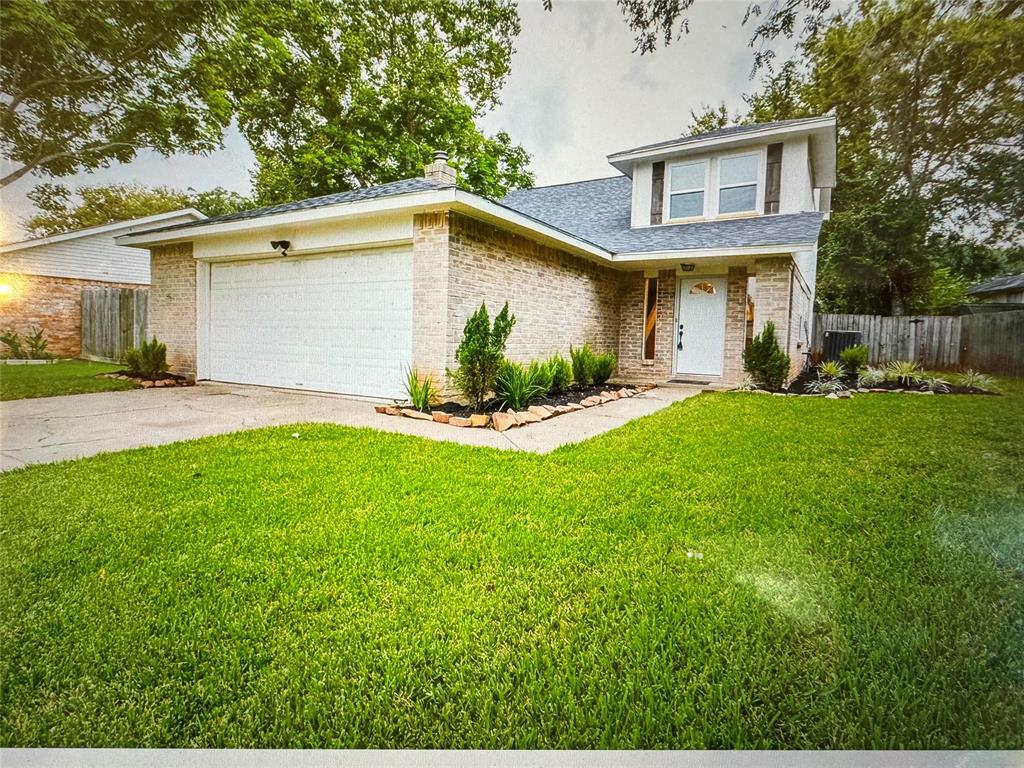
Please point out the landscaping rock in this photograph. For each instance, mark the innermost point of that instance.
(574, 406)
(525, 417)
(863, 390)
(393, 410)
(831, 396)
(441, 417)
(540, 411)
(147, 384)
(561, 410)
(459, 421)
(589, 402)
(610, 395)
(412, 413)
(479, 420)
(549, 408)
(381, 408)
(845, 394)
(623, 393)
(503, 420)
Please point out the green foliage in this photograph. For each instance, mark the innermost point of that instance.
(421, 390)
(870, 377)
(905, 372)
(90, 83)
(825, 385)
(932, 382)
(15, 348)
(869, 553)
(146, 361)
(604, 367)
(976, 380)
(561, 374)
(61, 210)
(830, 369)
(63, 377)
(480, 353)
(541, 375)
(583, 364)
(854, 357)
(765, 361)
(517, 385)
(37, 344)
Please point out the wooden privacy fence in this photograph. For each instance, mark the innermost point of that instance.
(932, 341)
(992, 342)
(113, 320)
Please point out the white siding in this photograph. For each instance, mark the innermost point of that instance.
(641, 212)
(90, 257)
(796, 193)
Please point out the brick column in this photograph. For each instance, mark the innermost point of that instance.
(430, 294)
(172, 304)
(774, 302)
(735, 326)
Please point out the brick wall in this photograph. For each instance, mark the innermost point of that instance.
(430, 294)
(558, 299)
(172, 304)
(775, 301)
(632, 366)
(735, 326)
(51, 303)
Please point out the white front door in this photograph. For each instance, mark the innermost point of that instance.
(700, 325)
(333, 323)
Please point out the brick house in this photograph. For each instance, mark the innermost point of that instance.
(41, 280)
(673, 264)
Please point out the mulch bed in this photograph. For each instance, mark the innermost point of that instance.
(574, 395)
(163, 380)
(799, 386)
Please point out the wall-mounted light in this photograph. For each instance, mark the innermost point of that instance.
(687, 267)
(281, 245)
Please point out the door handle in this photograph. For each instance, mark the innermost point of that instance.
(679, 345)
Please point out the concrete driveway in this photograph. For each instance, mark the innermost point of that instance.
(38, 431)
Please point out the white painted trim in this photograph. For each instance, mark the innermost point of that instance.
(691, 276)
(666, 197)
(686, 144)
(759, 188)
(784, 249)
(101, 229)
(202, 320)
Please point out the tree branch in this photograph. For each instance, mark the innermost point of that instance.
(32, 165)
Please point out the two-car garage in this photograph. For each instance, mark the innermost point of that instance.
(336, 322)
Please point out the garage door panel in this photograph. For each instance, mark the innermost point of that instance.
(338, 323)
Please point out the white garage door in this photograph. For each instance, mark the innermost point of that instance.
(332, 323)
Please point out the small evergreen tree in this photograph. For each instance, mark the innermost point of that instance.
(765, 361)
(481, 353)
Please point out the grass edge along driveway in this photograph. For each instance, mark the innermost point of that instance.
(61, 377)
(734, 571)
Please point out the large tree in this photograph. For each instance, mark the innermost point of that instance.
(336, 94)
(61, 210)
(83, 84)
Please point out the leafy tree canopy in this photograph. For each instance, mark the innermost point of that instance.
(60, 210)
(330, 94)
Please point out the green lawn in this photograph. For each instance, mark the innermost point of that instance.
(861, 585)
(64, 377)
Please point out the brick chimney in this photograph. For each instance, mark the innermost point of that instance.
(439, 170)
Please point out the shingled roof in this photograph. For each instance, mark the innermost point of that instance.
(998, 285)
(599, 211)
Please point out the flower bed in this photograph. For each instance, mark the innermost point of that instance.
(163, 380)
(541, 409)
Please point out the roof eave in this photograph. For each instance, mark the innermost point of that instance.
(101, 229)
(714, 252)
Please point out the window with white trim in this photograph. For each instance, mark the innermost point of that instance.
(737, 183)
(686, 190)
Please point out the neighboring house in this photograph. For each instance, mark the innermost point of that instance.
(1000, 290)
(41, 280)
(672, 265)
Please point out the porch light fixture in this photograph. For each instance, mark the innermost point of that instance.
(687, 267)
(281, 245)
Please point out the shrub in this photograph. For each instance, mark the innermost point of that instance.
(540, 374)
(37, 345)
(854, 358)
(824, 385)
(12, 339)
(146, 361)
(515, 386)
(765, 361)
(974, 380)
(561, 374)
(870, 377)
(420, 389)
(582, 364)
(931, 382)
(480, 354)
(830, 369)
(906, 372)
(604, 367)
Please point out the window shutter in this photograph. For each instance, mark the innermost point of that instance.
(773, 178)
(657, 191)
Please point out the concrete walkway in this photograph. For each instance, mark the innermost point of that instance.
(43, 430)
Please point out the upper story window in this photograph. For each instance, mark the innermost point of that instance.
(737, 183)
(686, 190)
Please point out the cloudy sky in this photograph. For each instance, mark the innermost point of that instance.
(577, 93)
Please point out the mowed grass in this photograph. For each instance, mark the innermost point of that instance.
(861, 585)
(63, 377)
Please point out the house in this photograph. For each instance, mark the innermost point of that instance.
(673, 264)
(41, 280)
(1000, 290)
